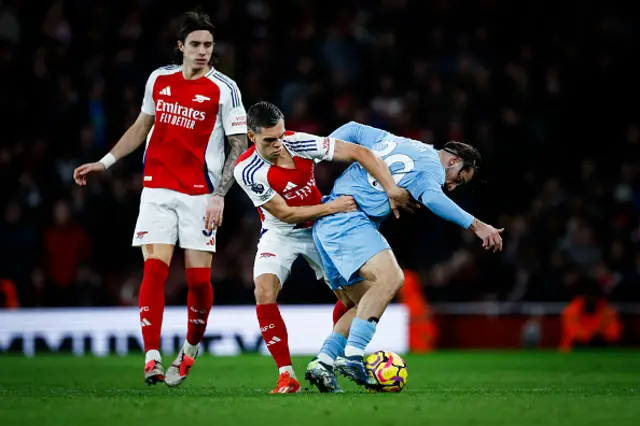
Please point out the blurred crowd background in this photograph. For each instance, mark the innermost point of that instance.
(546, 90)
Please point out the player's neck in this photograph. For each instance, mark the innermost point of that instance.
(191, 73)
(263, 155)
(285, 160)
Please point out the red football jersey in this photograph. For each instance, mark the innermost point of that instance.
(262, 180)
(185, 148)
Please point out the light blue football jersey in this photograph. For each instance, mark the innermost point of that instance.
(414, 166)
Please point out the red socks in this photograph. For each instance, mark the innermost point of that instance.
(151, 302)
(338, 311)
(199, 301)
(274, 333)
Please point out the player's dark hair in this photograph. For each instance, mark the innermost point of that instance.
(470, 156)
(195, 20)
(263, 115)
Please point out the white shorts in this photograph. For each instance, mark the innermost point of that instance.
(168, 216)
(276, 253)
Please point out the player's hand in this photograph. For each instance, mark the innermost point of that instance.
(344, 204)
(490, 236)
(213, 217)
(401, 198)
(80, 174)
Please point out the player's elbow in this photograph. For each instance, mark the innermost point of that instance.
(143, 124)
(398, 279)
(286, 215)
(290, 219)
(279, 209)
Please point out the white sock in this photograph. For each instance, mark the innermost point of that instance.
(190, 350)
(288, 369)
(152, 355)
(353, 351)
(326, 359)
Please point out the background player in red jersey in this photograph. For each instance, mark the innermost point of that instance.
(187, 111)
(277, 173)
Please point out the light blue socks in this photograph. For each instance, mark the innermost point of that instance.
(332, 348)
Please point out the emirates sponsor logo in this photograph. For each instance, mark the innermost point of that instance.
(177, 115)
(301, 193)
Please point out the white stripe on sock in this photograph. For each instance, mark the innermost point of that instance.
(189, 349)
(353, 351)
(288, 369)
(322, 357)
(152, 355)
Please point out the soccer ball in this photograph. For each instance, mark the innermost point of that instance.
(389, 370)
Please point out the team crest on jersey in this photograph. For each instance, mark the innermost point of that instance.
(258, 188)
(201, 98)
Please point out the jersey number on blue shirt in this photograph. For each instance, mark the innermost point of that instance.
(383, 150)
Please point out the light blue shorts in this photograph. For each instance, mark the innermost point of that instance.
(346, 241)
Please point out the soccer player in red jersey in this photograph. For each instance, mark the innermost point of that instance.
(187, 111)
(277, 173)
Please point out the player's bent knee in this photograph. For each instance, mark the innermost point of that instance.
(393, 279)
(265, 295)
(393, 275)
(344, 298)
(198, 278)
(399, 279)
(267, 287)
(382, 270)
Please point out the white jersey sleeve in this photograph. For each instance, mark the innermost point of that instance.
(232, 112)
(251, 175)
(148, 103)
(310, 146)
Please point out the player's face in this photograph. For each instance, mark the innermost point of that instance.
(269, 140)
(197, 49)
(456, 176)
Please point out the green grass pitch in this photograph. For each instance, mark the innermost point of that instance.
(445, 388)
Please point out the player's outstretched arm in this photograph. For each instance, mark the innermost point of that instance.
(443, 206)
(129, 142)
(398, 197)
(279, 208)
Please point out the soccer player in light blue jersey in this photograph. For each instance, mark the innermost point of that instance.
(360, 265)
